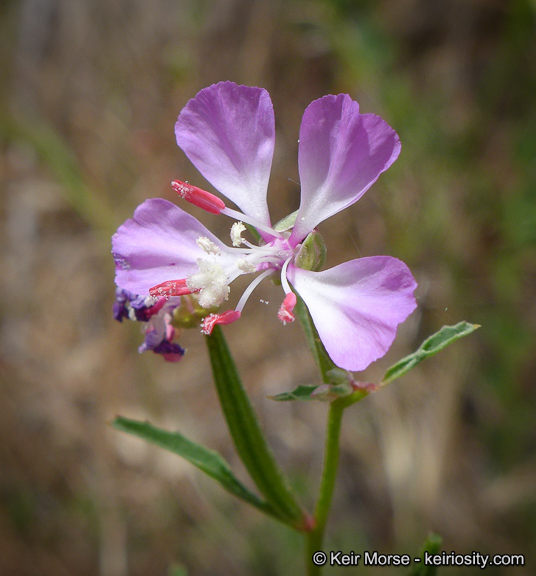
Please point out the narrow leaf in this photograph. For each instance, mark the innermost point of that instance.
(324, 392)
(208, 461)
(247, 435)
(302, 392)
(432, 345)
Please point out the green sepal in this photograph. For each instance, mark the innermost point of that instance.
(208, 461)
(287, 222)
(432, 345)
(432, 545)
(248, 438)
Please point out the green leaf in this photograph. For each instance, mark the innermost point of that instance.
(247, 435)
(324, 392)
(432, 545)
(302, 392)
(208, 461)
(432, 345)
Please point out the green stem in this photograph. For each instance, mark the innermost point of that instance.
(315, 538)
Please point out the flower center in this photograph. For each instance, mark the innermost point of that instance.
(215, 272)
(224, 264)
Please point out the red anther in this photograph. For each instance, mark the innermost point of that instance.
(170, 288)
(211, 320)
(285, 311)
(198, 197)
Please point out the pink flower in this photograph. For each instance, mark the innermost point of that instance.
(228, 133)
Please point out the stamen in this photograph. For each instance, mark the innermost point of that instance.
(224, 318)
(250, 288)
(236, 233)
(285, 311)
(284, 282)
(198, 197)
(249, 220)
(171, 288)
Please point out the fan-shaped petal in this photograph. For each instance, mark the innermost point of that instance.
(228, 133)
(357, 306)
(341, 154)
(159, 244)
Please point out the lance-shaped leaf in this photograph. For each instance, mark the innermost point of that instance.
(247, 435)
(208, 461)
(301, 392)
(432, 345)
(326, 392)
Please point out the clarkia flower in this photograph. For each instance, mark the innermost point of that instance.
(228, 132)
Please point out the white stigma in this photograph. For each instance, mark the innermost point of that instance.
(236, 233)
(212, 283)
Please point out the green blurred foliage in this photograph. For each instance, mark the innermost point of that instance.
(89, 93)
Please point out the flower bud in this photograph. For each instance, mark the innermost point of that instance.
(312, 254)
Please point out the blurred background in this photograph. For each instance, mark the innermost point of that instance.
(89, 93)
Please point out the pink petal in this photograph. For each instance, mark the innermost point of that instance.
(228, 133)
(341, 154)
(158, 244)
(357, 306)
